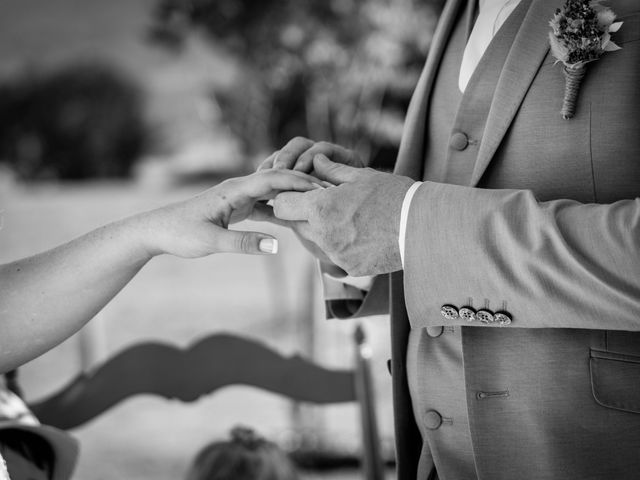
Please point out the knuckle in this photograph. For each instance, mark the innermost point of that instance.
(299, 141)
(321, 211)
(306, 158)
(325, 147)
(354, 159)
(243, 243)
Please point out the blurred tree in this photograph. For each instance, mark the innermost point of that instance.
(337, 70)
(82, 121)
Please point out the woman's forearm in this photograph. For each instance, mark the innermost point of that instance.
(46, 298)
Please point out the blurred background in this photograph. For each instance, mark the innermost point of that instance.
(110, 108)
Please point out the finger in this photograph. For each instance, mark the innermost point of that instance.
(294, 206)
(310, 177)
(315, 180)
(232, 241)
(288, 155)
(335, 152)
(267, 163)
(267, 184)
(334, 172)
(264, 213)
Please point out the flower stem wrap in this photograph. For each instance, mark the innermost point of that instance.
(573, 79)
(580, 33)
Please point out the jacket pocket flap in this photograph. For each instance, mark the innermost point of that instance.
(615, 380)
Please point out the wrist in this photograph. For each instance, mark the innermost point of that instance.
(143, 237)
(332, 269)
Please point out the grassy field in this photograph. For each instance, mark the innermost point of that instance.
(178, 301)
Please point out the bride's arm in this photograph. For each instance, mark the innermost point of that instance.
(46, 298)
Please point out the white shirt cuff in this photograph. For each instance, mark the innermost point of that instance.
(404, 216)
(335, 273)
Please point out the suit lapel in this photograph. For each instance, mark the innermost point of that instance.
(411, 155)
(529, 48)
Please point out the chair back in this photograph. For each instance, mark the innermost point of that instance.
(175, 373)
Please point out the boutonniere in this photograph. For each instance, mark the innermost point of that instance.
(580, 33)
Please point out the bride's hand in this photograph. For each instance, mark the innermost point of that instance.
(198, 226)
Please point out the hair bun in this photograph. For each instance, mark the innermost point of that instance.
(247, 437)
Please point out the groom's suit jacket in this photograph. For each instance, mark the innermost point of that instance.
(548, 225)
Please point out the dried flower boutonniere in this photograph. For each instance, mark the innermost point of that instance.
(580, 33)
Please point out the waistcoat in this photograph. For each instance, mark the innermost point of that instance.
(455, 125)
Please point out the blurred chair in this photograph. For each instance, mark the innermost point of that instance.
(211, 363)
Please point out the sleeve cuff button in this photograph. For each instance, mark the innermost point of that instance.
(503, 318)
(467, 313)
(449, 312)
(485, 316)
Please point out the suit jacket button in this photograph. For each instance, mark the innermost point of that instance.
(435, 331)
(467, 313)
(503, 318)
(449, 312)
(485, 316)
(458, 141)
(432, 420)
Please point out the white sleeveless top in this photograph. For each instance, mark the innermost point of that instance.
(4, 474)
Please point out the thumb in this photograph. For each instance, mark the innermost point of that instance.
(233, 241)
(333, 172)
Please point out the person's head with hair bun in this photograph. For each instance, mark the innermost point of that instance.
(245, 456)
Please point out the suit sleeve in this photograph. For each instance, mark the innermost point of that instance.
(550, 264)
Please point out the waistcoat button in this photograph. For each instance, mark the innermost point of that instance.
(458, 141)
(434, 331)
(432, 420)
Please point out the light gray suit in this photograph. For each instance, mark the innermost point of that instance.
(560, 248)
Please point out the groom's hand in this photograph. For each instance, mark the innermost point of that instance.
(299, 152)
(356, 222)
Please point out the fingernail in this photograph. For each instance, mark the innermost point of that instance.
(268, 245)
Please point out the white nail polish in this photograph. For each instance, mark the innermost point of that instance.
(268, 245)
